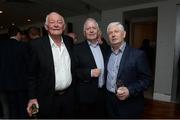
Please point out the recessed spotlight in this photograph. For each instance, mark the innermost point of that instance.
(13, 24)
(1, 11)
(29, 20)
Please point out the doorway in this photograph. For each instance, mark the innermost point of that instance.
(141, 26)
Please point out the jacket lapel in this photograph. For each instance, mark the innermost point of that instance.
(67, 44)
(123, 61)
(89, 52)
(48, 53)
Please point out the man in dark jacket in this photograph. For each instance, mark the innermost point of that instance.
(13, 84)
(128, 75)
(50, 71)
(89, 58)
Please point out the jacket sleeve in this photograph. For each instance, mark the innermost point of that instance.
(144, 77)
(32, 67)
(82, 74)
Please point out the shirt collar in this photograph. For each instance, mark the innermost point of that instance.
(14, 37)
(92, 44)
(121, 49)
(53, 43)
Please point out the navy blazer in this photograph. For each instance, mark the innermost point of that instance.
(87, 86)
(135, 74)
(134, 71)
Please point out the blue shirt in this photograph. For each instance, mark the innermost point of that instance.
(113, 68)
(98, 57)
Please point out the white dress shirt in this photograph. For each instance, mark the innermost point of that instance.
(62, 65)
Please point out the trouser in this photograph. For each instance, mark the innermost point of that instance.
(4, 106)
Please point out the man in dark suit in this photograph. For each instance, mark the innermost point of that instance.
(50, 71)
(13, 84)
(128, 75)
(89, 58)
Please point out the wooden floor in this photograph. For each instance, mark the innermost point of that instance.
(161, 110)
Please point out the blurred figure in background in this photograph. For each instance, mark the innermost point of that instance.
(147, 49)
(150, 51)
(34, 32)
(73, 36)
(24, 36)
(13, 84)
(102, 41)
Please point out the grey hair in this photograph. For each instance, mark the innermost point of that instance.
(88, 20)
(117, 24)
(47, 17)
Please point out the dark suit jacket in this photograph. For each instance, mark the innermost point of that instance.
(12, 65)
(41, 71)
(87, 86)
(135, 74)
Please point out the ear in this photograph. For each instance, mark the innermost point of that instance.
(64, 27)
(45, 26)
(84, 33)
(124, 34)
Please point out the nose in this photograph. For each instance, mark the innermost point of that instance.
(113, 34)
(91, 30)
(56, 24)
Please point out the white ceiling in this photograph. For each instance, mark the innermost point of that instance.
(18, 11)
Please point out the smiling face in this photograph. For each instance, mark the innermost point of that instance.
(116, 34)
(91, 30)
(55, 24)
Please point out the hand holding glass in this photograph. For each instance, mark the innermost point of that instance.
(119, 84)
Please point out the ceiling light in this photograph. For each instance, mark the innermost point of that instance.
(1, 11)
(29, 20)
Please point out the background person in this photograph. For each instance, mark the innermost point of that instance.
(73, 36)
(34, 32)
(13, 84)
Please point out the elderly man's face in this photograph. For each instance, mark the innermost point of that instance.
(116, 36)
(91, 31)
(55, 24)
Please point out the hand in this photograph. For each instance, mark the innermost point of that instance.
(100, 41)
(30, 103)
(122, 93)
(96, 72)
(99, 38)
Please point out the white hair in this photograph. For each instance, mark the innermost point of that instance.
(117, 24)
(90, 20)
(47, 17)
